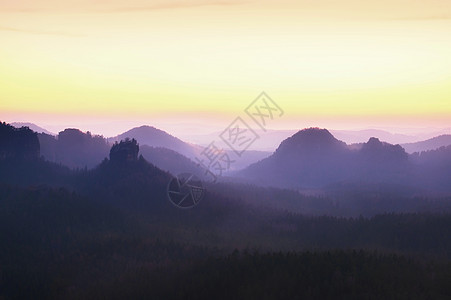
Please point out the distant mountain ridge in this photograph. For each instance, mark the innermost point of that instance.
(314, 158)
(310, 159)
(310, 156)
(310, 141)
(430, 144)
(154, 137)
(74, 148)
(32, 126)
(360, 136)
(158, 139)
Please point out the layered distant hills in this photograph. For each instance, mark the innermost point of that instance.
(151, 136)
(77, 149)
(430, 144)
(163, 141)
(272, 138)
(74, 148)
(371, 178)
(314, 158)
(310, 159)
(32, 126)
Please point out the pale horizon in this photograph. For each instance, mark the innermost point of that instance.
(203, 134)
(108, 67)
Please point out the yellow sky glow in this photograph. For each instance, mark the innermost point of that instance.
(141, 59)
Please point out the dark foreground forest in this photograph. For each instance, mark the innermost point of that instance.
(57, 244)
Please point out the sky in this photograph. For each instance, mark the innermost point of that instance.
(194, 66)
